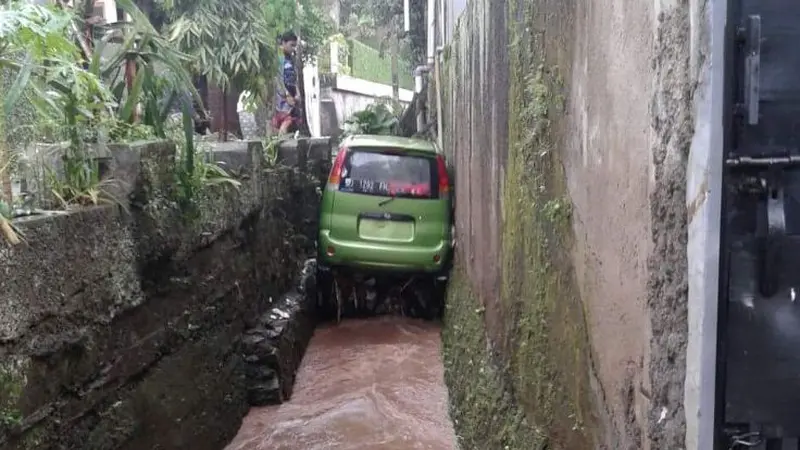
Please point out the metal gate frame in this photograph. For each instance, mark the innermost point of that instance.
(742, 86)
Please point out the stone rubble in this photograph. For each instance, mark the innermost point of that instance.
(274, 347)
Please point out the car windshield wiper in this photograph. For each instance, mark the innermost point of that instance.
(386, 202)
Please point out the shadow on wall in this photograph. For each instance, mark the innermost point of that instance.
(117, 331)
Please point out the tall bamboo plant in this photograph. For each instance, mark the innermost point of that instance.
(227, 40)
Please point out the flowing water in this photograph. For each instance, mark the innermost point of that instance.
(363, 385)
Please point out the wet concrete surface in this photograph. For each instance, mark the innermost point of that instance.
(364, 384)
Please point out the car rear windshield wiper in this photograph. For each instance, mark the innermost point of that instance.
(386, 202)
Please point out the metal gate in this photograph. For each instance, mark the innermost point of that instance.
(759, 366)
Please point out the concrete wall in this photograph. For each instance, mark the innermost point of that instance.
(118, 330)
(592, 110)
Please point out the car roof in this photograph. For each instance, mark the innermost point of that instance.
(377, 141)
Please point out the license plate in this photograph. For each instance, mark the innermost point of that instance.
(386, 230)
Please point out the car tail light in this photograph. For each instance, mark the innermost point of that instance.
(436, 258)
(330, 251)
(336, 171)
(444, 178)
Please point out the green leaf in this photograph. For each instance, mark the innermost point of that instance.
(20, 83)
(128, 108)
(188, 132)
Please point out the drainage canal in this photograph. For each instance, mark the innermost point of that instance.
(353, 382)
(362, 384)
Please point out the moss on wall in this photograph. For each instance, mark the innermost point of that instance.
(481, 408)
(530, 388)
(12, 384)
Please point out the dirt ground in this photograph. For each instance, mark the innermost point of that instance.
(608, 170)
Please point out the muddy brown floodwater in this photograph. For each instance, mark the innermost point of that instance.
(363, 385)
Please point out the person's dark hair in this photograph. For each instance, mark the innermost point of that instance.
(289, 36)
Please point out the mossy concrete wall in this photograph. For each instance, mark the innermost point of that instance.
(569, 125)
(118, 329)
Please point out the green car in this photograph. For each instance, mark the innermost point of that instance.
(387, 208)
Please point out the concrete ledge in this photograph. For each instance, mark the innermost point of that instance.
(299, 152)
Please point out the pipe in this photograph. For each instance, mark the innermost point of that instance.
(441, 24)
(419, 73)
(438, 75)
(406, 16)
(431, 21)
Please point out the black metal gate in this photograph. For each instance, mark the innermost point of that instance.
(759, 370)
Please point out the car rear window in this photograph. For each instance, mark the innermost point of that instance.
(388, 173)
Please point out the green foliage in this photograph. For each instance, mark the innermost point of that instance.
(234, 44)
(378, 20)
(123, 89)
(377, 118)
(270, 146)
(195, 169)
(81, 184)
(228, 41)
(313, 27)
(94, 100)
(31, 36)
(162, 77)
(11, 387)
(324, 62)
(369, 64)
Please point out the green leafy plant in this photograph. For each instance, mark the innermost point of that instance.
(270, 146)
(31, 36)
(144, 71)
(376, 118)
(132, 79)
(195, 174)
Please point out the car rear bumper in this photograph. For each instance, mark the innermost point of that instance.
(383, 257)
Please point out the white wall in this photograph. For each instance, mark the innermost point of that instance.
(351, 95)
(704, 200)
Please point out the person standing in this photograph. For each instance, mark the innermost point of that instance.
(287, 96)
